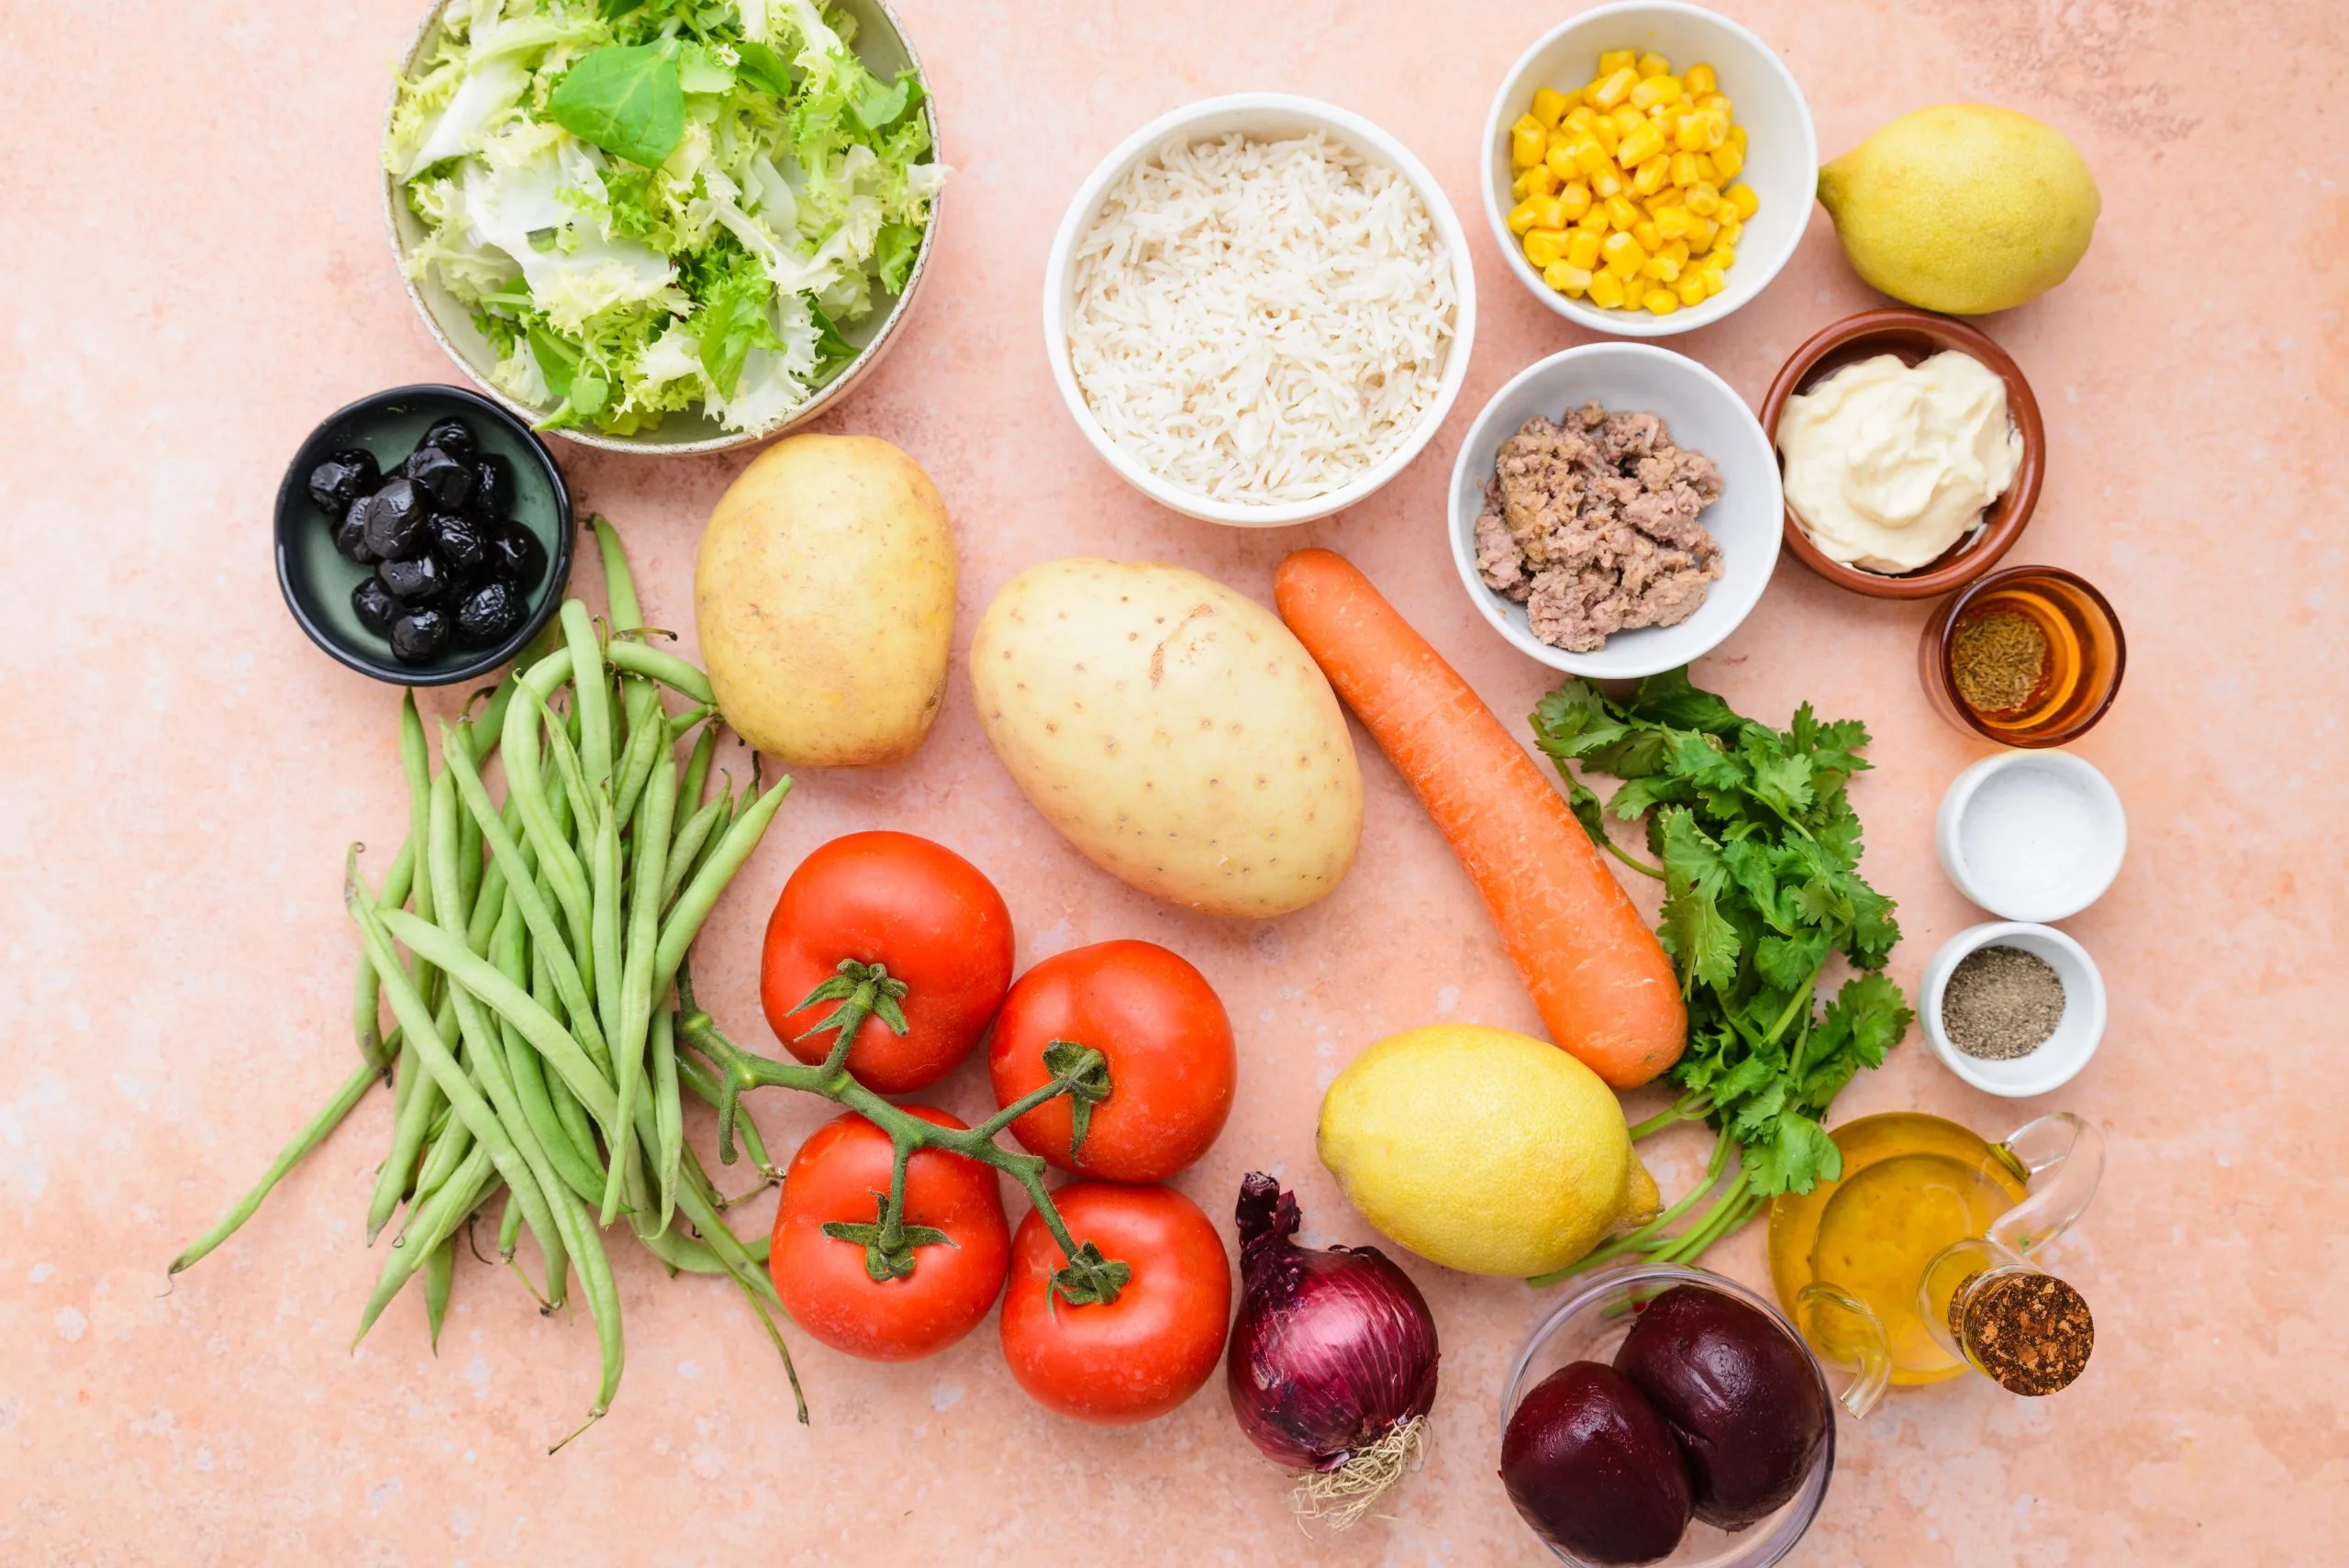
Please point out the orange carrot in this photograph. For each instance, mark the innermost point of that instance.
(1600, 981)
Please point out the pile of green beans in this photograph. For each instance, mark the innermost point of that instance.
(525, 950)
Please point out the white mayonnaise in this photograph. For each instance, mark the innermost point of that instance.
(1888, 465)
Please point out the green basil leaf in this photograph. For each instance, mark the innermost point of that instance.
(763, 68)
(627, 100)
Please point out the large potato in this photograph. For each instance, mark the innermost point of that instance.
(824, 595)
(1175, 732)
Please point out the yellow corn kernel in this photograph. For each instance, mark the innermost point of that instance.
(1648, 179)
(1526, 142)
(1606, 182)
(1520, 216)
(1549, 106)
(1675, 223)
(1659, 302)
(1573, 200)
(1582, 249)
(1560, 161)
(1727, 161)
(1691, 290)
(1606, 134)
(1580, 116)
(1712, 101)
(1731, 232)
(1676, 249)
(1606, 291)
(1544, 246)
(1689, 132)
(1736, 133)
(1698, 80)
(1628, 119)
(1593, 222)
(1589, 156)
(1744, 202)
(1644, 232)
(1622, 254)
(1621, 212)
(1652, 272)
(1612, 91)
(1571, 281)
(1703, 234)
(1714, 281)
(1701, 199)
(1616, 60)
(1639, 144)
(1652, 64)
(1539, 181)
(1550, 212)
(1655, 91)
(1708, 170)
(1683, 170)
(1722, 256)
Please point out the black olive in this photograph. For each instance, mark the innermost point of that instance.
(514, 551)
(343, 478)
(374, 605)
(451, 435)
(417, 635)
(448, 481)
(492, 488)
(351, 534)
(461, 543)
(416, 580)
(489, 613)
(395, 523)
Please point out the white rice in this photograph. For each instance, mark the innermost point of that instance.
(1260, 321)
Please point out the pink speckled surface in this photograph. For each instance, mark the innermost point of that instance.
(193, 272)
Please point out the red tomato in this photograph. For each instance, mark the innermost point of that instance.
(1169, 1045)
(1143, 1353)
(928, 915)
(823, 1281)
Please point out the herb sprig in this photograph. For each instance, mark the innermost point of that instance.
(1758, 849)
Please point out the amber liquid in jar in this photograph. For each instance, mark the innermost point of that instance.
(1979, 646)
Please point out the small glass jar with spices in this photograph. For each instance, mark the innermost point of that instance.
(2030, 656)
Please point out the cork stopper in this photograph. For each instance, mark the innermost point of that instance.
(2031, 1333)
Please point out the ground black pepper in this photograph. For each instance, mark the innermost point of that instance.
(2002, 1003)
(2031, 1333)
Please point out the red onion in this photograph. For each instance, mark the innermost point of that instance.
(1333, 1363)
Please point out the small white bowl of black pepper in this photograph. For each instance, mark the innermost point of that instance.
(2012, 1008)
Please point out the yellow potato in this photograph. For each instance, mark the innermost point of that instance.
(1174, 730)
(824, 595)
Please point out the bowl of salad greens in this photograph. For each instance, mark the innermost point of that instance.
(664, 226)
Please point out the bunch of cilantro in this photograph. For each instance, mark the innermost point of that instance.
(1758, 848)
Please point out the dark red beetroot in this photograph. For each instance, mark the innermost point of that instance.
(1742, 1397)
(1592, 1467)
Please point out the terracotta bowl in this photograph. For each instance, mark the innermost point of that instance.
(1914, 336)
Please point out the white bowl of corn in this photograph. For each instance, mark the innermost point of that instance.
(1649, 168)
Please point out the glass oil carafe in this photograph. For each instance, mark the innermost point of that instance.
(1913, 1266)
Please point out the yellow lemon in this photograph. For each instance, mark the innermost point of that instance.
(1483, 1150)
(1963, 208)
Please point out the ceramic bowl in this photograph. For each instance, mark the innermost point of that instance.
(2057, 1060)
(1269, 115)
(317, 579)
(2032, 835)
(1590, 1324)
(883, 45)
(1704, 413)
(1912, 336)
(1781, 159)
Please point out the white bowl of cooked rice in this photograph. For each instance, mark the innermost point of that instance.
(1259, 308)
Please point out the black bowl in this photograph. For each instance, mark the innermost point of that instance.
(318, 581)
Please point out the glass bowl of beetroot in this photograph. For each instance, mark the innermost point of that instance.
(424, 534)
(1666, 1415)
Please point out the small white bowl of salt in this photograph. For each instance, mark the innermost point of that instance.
(2035, 836)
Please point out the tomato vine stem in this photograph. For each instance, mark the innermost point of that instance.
(1079, 1071)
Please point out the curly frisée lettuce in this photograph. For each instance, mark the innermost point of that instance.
(655, 205)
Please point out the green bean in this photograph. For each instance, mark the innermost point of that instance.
(700, 895)
(354, 1088)
(666, 668)
(604, 925)
(603, 1303)
(590, 699)
(526, 782)
(439, 1274)
(567, 1109)
(669, 1116)
(577, 1169)
(680, 722)
(647, 741)
(448, 1151)
(366, 999)
(650, 834)
(417, 1099)
(620, 582)
(697, 779)
(688, 849)
(504, 998)
(510, 1237)
(441, 1215)
(577, 794)
(470, 870)
(681, 1253)
(464, 1097)
(522, 883)
(416, 760)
